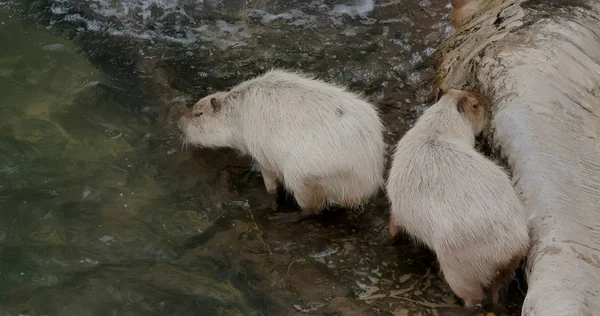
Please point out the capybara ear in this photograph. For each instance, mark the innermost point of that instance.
(215, 104)
(460, 105)
(440, 93)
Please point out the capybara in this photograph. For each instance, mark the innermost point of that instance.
(459, 203)
(323, 143)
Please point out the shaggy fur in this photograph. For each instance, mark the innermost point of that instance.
(454, 200)
(323, 143)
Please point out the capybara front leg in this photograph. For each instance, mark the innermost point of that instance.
(271, 183)
(394, 231)
(311, 202)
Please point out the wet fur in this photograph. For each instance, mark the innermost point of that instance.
(456, 201)
(322, 143)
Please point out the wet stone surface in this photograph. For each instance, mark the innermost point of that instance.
(105, 214)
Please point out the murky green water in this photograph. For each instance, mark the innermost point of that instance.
(101, 213)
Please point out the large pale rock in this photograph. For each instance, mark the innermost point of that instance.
(539, 63)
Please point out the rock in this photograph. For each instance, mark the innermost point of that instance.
(343, 306)
(312, 284)
(539, 63)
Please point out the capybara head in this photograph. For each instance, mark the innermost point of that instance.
(208, 122)
(471, 105)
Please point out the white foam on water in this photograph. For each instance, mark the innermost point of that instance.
(287, 15)
(176, 21)
(362, 8)
(58, 9)
(54, 47)
(325, 253)
(133, 18)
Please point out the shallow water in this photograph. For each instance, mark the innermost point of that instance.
(102, 213)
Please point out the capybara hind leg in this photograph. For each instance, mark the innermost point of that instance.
(311, 202)
(464, 285)
(310, 199)
(499, 289)
(270, 181)
(500, 286)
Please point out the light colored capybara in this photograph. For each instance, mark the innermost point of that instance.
(322, 143)
(457, 202)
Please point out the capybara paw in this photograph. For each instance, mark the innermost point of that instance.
(289, 217)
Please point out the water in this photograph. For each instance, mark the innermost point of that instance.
(102, 213)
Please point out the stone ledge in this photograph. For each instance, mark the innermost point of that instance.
(540, 66)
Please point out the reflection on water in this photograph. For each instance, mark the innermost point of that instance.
(103, 214)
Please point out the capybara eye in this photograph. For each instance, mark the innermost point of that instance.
(475, 105)
(198, 114)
